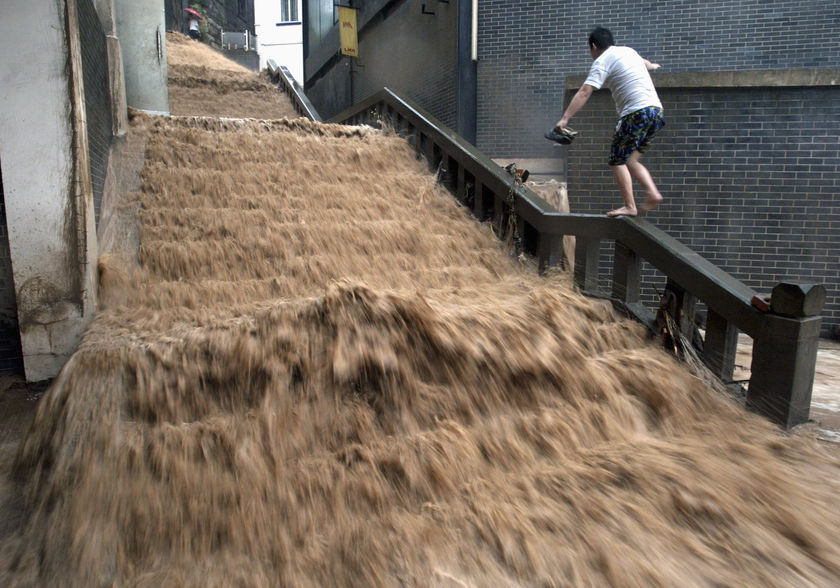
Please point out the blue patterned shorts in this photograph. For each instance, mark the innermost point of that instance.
(634, 132)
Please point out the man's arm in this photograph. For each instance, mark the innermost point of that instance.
(580, 98)
(650, 65)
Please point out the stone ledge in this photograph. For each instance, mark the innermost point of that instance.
(775, 78)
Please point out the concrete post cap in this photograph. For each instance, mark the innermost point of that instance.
(797, 300)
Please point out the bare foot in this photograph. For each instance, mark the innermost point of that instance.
(651, 202)
(623, 211)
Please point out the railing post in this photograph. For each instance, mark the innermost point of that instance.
(549, 251)
(627, 269)
(686, 308)
(450, 169)
(520, 231)
(785, 355)
(482, 195)
(417, 140)
(499, 214)
(587, 253)
(783, 364)
(720, 346)
(427, 149)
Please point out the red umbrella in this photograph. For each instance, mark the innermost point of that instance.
(195, 13)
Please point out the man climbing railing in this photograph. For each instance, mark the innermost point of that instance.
(785, 331)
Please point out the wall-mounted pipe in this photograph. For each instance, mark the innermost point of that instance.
(474, 32)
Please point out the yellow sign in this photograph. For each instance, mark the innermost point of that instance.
(347, 31)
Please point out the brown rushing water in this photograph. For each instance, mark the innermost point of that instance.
(320, 371)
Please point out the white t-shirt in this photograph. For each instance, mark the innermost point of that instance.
(623, 71)
(193, 24)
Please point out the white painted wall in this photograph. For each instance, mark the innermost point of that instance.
(50, 246)
(284, 43)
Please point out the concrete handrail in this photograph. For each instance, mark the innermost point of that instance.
(785, 343)
(282, 76)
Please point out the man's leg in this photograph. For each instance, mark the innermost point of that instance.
(622, 176)
(642, 175)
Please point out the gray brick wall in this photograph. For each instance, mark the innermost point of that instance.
(751, 176)
(751, 179)
(527, 49)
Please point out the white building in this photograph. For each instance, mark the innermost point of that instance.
(279, 29)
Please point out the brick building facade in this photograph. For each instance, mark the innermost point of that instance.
(749, 173)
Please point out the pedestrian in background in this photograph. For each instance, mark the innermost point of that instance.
(195, 33)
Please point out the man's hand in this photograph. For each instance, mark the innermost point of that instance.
(650, 65)
(579, 99)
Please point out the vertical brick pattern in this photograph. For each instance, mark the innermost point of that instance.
(527, 49)
(11, 356)
(97, 97)
(751, 179)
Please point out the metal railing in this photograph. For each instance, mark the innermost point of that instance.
(785, 338)
(286, 82)
(239, 40)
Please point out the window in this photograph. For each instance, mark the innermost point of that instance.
(289, 11)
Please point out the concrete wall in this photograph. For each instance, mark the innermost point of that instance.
(410, 36)
(413, 53)
(141, 29)
(331, 93)
(46, 181)
(280, 41)
(247, 59)
(116, 72)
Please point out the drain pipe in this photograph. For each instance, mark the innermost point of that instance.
(474, 32)
(467, 64)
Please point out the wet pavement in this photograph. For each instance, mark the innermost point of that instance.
(17, 407)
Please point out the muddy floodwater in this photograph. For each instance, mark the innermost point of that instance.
(314, 368)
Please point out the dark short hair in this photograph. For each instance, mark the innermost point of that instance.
(601, 38)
